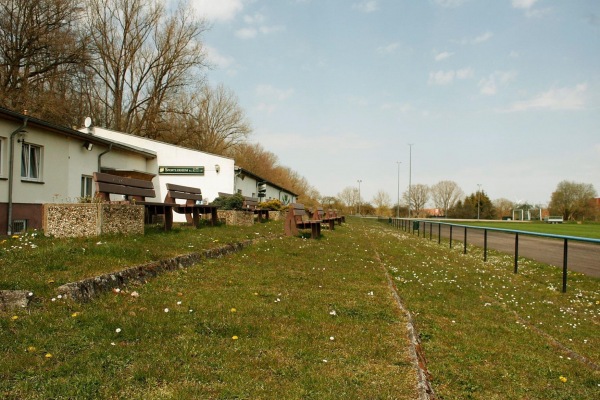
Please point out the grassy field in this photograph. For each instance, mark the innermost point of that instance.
(587, 230)
(295, 318)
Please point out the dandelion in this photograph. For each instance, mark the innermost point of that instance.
(563, 379)
(233, 310)
(31, 349)
(48, 355)
(15, 317)
(75, 314)
(235, 338)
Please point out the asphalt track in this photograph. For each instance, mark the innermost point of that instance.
(582, 257)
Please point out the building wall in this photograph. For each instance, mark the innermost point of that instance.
(211, 183)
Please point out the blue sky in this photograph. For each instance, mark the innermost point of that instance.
(501, 93)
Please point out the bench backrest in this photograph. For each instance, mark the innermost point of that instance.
(298, 212)
(133, 189)
(318, 213)
(187, 193)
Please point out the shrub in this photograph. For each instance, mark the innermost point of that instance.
(234, 202)
(272, 204)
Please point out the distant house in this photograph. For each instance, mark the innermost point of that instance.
(42, 163)
(248, 184)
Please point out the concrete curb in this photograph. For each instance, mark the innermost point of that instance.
(88, 289)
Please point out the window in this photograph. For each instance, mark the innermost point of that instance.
(87, 190)
(2, 156)
(31, 162)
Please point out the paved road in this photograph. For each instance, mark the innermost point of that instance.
(582, 257)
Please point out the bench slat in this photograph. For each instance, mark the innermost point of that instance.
(103, 187)
(185, 189)
(121, 180)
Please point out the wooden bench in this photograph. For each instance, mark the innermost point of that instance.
(319, 214)
(334, 214)
(191, 208)
(296, 219)
(135, 191)
(251, 204)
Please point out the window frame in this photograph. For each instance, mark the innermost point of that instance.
(87, 186)
(26, 161)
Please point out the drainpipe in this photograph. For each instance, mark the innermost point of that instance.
(100, 157)
(11, 172)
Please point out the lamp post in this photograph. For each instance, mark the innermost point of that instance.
(359, 181)
(398, 203)
(410, 145)
(478, 198)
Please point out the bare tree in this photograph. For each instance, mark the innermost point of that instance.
(142, 56)
(349, 196)
(445, 195)
(382, 203)
(572, 200)
(419, 196)
(504, 207)
(40, 52)
(218, 122)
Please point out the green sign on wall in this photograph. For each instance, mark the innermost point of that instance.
(181, 170)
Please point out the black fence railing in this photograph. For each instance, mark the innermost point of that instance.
(451, 230)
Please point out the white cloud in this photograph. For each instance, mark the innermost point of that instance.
(443, 55)
(222, 10)
(442, 78)
(464, 73)
(246, 33)
(484, 37)
(555, 99)
(366, 6)
(450, 3)
(388, 49)
(272, 93)
(217, 59)
(523, 4)
(489, 85)
(255, 25)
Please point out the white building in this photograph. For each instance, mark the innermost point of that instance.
(247, 184)
(179, 165)
(44, 163)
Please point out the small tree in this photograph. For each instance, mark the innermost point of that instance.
(572, 200)
(382, 203)
(445, 195)
(419, 196)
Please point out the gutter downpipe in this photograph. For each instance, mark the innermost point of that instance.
(11, 173)
(100, 157)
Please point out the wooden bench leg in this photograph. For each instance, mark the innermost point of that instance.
(331, 224)
(168, 218)
(195, 218)
(315, 230)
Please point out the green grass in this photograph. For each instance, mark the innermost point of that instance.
(587, 230)
(486, 332)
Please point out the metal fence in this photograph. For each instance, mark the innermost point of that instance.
(458, 232)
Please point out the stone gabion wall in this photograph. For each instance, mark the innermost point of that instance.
(277, 215)
(126, 219)
(92, 219)
(237, 218)
(71, 220)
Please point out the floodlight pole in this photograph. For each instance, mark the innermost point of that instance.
(398, 203)
(478, 198)
(359, 181)
(410, 145)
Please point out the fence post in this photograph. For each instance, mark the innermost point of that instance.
(516, 253)
(430, 228)
(465, 246)
(439, 233)
(450, 236)
(485, 245)
(565, 253)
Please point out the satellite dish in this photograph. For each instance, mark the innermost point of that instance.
(88, 122)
